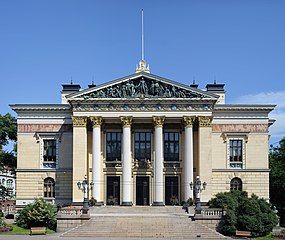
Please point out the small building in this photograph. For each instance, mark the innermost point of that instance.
(8, 180)
(141, 140)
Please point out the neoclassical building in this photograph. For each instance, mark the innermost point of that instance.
(141, 140)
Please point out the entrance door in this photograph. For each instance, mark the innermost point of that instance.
(113, 190)
(171, 191)
(142, 191)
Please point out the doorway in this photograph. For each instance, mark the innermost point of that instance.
(142, 191)
(171, 190)
(113, 190)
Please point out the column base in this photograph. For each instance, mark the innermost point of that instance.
(158, 204)
(127, 204)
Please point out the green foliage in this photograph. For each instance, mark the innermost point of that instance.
(277, 176)
(1, 214)
(4, 193)
(243, 213)
(8, 129)
(38, 214)
(92, 202)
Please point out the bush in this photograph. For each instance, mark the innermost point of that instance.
(92, 202)
(1, 214)
(38, 214)
(243, 213)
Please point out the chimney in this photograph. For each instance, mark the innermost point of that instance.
(219, 90)
(68, 89)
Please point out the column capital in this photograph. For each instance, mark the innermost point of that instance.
(127, 121)
(189, 121)
(96, 121)
(79, 121)
(158, 121)
(205, 121)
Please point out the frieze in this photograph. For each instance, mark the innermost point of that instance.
(256, 128)
(142, 88)
(142, 107)
(32, 128)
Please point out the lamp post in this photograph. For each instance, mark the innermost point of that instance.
(84, 187)
(198, 188)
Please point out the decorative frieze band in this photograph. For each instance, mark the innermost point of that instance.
(158, 121)
(126, 121)
(189, 121)
(254, 128)
(96, 121)
(32, 128)
(205, 121)
(79, 121)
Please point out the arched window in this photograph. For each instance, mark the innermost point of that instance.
(236, 184)
(49, 188)
(9, 183)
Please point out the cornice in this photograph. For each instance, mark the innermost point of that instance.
(244, 107)
(41, 107)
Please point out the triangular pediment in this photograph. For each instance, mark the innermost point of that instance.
(142, 86)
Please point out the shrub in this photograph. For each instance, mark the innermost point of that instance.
(37, 214)
(92, 202)
(243, 213)
(1, 214)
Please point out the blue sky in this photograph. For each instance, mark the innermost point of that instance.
(242, 43)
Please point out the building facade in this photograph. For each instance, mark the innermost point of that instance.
(141, 140)
(8, 180)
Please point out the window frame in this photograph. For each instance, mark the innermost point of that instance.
(228, 137)
(41, 137)
(143, 142)
(165, 153)
(52, 187)
(236, 184)
(106, 145)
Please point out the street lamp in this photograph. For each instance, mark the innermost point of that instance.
(198, 188)
(84, 187)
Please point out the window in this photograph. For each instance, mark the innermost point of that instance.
(236, 153)
(9, 184)
(171, 146)
(236, 184)
(49, 188)
(143, 146)
(113, 146)
(49, 154)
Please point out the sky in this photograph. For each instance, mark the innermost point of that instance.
(44, 44)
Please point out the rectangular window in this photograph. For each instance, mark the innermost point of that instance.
(236, 153)
(171, 146)
(143, 146)
(49, 155)
(113, 146)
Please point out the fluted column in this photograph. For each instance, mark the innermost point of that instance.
(79, 155)
(158, 162)
(96, 159)
(127, 161)
(188, 157)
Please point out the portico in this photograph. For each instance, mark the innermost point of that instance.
(137, 170)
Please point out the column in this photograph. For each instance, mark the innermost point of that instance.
(158, 161)
(188, 157)
(205, 155)
(79, 162)
(127, 161)
(96, 160)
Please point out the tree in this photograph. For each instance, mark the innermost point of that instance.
(8, 132)
(3, 192)
(277, 177)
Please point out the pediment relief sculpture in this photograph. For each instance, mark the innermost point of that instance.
(142, 88)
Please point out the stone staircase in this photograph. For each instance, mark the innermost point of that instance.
(142, 222)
